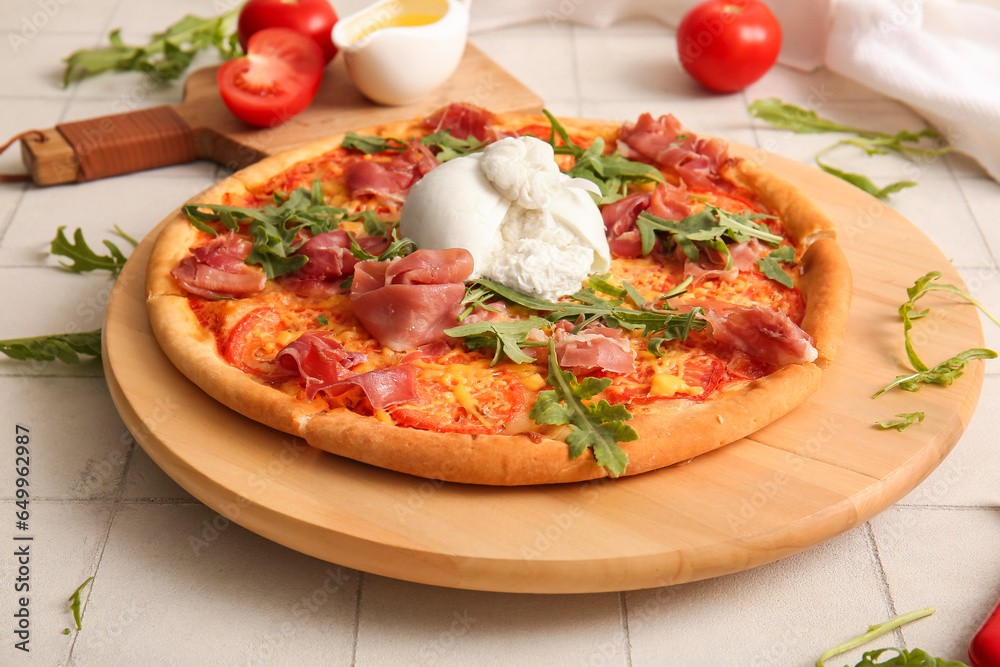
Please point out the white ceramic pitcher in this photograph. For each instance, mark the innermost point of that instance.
(397, 51)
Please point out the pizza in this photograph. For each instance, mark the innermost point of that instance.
(504, 299)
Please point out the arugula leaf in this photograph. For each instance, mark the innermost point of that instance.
(85, 259)
(368, 144)
(275, 229)
(399, 247)
(669, 322)
(598, 427)
(904, 658)
(948, 370)
(872, 142)
(449, 147)
(65, 347)
(166, 56)
(770, 266)
(506, 337)
(452, 147)
(709, 227)
(611, 173)
(859, 180)
(75, 603)
(905, 419)
(915, 658)
(945, 372)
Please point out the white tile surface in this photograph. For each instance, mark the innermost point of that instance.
(65, 551)
(178, 584)
(785, 613)
(411, 624)
(933, 560)
(79, 446)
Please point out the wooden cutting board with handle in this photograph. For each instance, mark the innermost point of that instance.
(202, 127)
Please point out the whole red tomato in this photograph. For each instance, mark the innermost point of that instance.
(314, 18)
(728, 44)
(277, 79)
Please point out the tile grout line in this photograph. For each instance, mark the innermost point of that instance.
(357, 618)
(886, 589)
(623, 602)
(115, 500)
(97, 569)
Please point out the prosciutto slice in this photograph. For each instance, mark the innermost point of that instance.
(383, 387)
(330, 262)
(594, 349)
(624, 240)
(218, 270)
(389, 182)
(319, 360)
(744, 257)
(663, 140)
(408, 302)
(759, 332)
(323, 364)
(462, 119)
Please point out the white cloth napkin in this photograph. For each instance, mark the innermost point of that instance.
(940, 57)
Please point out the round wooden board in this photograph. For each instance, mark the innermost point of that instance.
(821, 470)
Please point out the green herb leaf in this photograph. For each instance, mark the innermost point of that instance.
(369, 145)
(770, 266)
(64, 347)
(902, 659)
(75, 603)
(613, 313)
(506, 337)
(861, 181)
(83, 258)
(166, 56)
(948, 370)
(799, 120)
(611, 173)
(451, 147)
(275, 229)
(872, 142)
(598, 427)
(709, 227)
(905, 419)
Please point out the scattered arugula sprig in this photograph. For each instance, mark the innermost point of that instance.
(166, 56)
(905, 419)
(449, 147)
(67, 347)
(275, 228)
(872, 142)
(596, 426)
(75, 603)
(903, 658)
(948, 370)
(611, 173)
(83, 258)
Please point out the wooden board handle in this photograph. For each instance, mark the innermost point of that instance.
(109, 146)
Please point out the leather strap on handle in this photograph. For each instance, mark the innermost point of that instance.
(129, 142)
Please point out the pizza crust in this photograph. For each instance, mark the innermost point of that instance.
(684, 430)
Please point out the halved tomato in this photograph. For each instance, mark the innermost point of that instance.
(277, 79)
